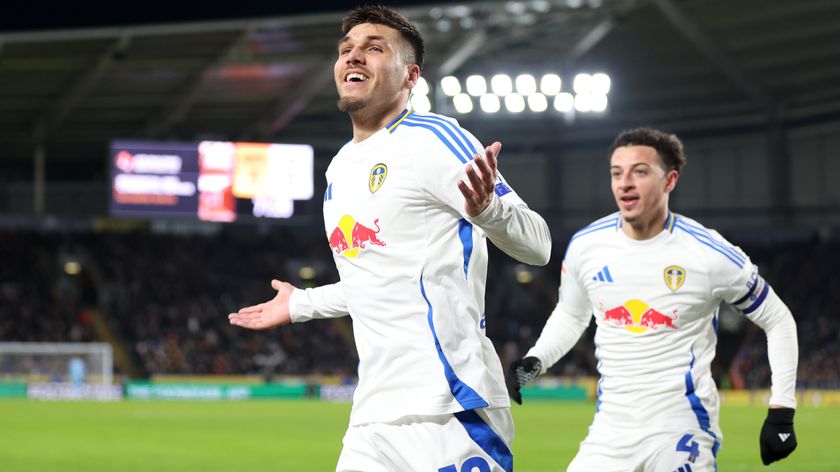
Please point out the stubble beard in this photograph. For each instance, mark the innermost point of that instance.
(350, 105)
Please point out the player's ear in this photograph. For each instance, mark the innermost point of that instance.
(413, 76)
(671, 179)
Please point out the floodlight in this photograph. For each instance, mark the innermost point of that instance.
(463, 103)
(476, 85)
(564, 102)
(501, 84)
(601, 83)
(526, 84)
(537, 102)
(450, 85)
(550, 84)
(515, 103)
(490, 103)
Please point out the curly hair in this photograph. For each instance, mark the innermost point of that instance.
(668, 147)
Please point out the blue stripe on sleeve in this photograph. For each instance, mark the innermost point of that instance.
(710, 242)
(455, 127)
(438, 134)
(450, 130)
(701, 231)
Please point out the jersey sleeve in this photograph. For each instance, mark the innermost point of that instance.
(326, 301)
(442, 154)
(567, 321)
(737, 282)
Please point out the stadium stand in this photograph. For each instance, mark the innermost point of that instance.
(165, 298)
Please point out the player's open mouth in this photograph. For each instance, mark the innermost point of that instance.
(355, 77)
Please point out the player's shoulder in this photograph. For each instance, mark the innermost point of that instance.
(602, 227)
(423, 132)
(696, 235)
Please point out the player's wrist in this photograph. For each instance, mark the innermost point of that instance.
(781, 415)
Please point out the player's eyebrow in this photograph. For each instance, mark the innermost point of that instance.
(368, 38)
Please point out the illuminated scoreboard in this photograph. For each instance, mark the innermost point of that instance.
(210, 180)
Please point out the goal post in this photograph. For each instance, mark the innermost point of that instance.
(88, 363)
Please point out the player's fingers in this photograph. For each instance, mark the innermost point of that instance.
(486, 172)
(251, 309)
(476, 182)
(276, 284)
(493, 156)
(466, 191)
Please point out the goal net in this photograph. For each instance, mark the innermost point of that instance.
(69, 363)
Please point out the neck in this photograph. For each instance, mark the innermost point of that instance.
(642, 230)
(366, 124)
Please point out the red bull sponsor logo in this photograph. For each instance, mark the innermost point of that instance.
(350, 237)
(637, 317)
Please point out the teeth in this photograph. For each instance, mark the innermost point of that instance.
(355, 76)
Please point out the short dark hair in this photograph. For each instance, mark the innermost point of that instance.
(382, 15)
(668, 147)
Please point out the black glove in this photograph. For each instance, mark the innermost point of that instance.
(777, 437)
(520, 373)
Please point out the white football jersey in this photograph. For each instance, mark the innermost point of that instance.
(413, 270)
(655, 303)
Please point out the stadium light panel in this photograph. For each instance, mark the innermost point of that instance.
(476, 85)
(501, 84)
(598, 102)
(463, 103)
(421, 104)
(537, 102)
(450, 86)
(421, 87)
(601, 83)
(583, 102)
(582, 84)
(489, 103)
(550, 84)
(564, 102)
(526, 84)
(515, 103)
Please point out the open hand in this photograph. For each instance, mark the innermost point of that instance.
(478, 193)
(267, 315)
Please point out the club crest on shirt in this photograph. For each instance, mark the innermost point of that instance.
(377, 177)
(674, 277)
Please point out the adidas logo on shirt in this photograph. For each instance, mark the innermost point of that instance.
(784, 436)
(603, 275)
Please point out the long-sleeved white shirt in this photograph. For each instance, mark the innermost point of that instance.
(413, 266)
(655, 303)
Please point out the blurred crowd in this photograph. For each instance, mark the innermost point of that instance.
(165, 298)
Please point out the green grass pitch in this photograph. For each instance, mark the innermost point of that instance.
(302, 436)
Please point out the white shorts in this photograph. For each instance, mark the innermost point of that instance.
(468, 441)
(646, 450)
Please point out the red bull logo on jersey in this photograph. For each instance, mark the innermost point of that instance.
(637, 317)
(350, 237)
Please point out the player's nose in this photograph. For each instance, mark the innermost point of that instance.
(355, 56)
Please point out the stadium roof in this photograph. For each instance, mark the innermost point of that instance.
(690, 66)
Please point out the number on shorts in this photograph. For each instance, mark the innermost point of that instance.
(469, 465)
(692, 448)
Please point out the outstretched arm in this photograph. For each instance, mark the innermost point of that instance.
(267, 315)
(293, 305)
(515, 229)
